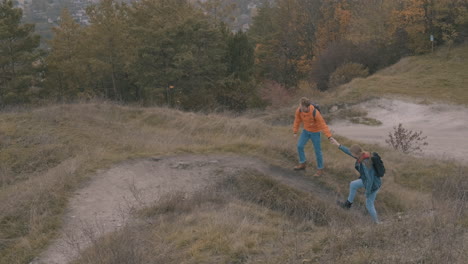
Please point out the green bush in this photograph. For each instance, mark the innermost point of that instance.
(346, 72)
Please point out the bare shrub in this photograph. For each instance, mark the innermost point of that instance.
(275, 94)
(405, 140)
(346, 72)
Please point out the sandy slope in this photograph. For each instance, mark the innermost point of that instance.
(105, 204)
(445, 126)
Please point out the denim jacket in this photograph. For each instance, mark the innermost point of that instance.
(371, 181)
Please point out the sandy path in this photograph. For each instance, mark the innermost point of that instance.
(104, 205)
(445, 126)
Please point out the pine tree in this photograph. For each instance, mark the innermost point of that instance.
(238, 87)
(18, 52)
(111, 49)
(240, 56)
(68, 75)
(178, 47)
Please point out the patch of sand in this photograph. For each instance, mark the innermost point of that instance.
(106, 203)
(445, 126)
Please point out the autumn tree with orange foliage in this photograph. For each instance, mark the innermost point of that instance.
(285, 37)
(334, 23)
(411, 17)
(299, 39)
(449, 20)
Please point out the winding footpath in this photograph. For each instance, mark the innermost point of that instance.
(106, 203)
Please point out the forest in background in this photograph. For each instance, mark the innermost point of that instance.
(184, 54)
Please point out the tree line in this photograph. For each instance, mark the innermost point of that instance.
(174, 52)
(304, 39)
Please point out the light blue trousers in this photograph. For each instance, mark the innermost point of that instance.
(315, 137)
(353, 187)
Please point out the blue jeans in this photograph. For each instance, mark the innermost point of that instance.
(353, 186)
(315, 137)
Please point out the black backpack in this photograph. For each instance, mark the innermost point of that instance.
(378, 164)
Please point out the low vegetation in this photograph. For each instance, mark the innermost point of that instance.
(47, 153)
(139, 53)
(405, 140)
(244, 220)
(437, 77)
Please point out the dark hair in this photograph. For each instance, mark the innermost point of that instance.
(305, 102)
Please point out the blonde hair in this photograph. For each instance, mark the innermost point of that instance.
(305, 101)
(356, 149)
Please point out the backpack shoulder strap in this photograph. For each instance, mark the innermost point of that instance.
(314, 113)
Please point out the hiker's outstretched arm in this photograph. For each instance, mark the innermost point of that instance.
(319, 119)
(346, 151)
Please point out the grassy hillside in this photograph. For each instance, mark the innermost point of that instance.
(47, 153)
(438, 77)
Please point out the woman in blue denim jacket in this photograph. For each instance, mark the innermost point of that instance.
(368, 178)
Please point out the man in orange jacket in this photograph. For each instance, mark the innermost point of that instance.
(313, 125)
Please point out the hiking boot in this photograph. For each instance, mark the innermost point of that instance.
(300, 166)
(319, 173)
(345, 205)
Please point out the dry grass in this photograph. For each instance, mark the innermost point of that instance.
(226, 223)
(39, 144)
(438, 77)
(236, 221)
(48, 153)
(434, 234)
(260, 189)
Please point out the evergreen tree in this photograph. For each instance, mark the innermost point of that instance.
(111, 49)
(177, 47)
(18, 52)
(238, 89)
(265, 33)
(68, 75)
(240, 56)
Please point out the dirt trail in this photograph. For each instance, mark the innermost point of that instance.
(104, 205)
(445, 126)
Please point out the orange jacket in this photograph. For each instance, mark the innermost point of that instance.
(311, 124)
